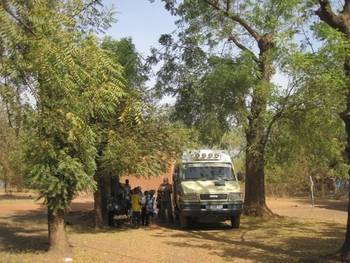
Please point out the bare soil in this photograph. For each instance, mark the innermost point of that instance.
(302, 230)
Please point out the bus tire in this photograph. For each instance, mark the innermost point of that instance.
(235, 221)
(183, 221)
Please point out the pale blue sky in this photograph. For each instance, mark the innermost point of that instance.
(141, 20)
(145, 22)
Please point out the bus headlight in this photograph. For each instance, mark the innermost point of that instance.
(235, 197)
(189, 198)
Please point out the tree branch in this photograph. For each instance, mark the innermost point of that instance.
(236, 19)
(7, 9)
(228, 6)
(326, 14)
(241, 46)
(347, 6)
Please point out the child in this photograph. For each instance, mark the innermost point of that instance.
(143, 207)
(130, 206)
(136, 208)
(150, 206)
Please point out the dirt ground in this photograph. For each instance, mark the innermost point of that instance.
(308, 229)
(292, 207)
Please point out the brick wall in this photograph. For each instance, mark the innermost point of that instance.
(148, 184)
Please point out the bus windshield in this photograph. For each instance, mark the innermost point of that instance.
(207, 171)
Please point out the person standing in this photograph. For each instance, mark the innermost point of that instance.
(143, 207)
(127, 187)
(136, 208)
(158, 206)
(165, 190)
(150, 207)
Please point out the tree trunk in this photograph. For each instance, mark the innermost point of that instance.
(101, 195)
(106, 192)
(98, 203)
(59, 245)
(255, 201)
(113, 184)
(341, 23)
(345, 116)
(345, 249)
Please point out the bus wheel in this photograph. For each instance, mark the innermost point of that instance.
(235, 221)
(183, 221)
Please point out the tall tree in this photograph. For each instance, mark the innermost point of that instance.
(340, 21)
(239, 40)
(121, 52)
(47, 47)
(136, 72)
(320, 139)
(9, 145)
(142, 147)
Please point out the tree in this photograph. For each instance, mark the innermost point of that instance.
(145, 146)
(317, 153)
(229, 48)
(340, 22)
(9, 145)
(136, 72)
(47, 47)
(121, 52)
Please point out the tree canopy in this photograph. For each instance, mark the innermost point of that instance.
(91, 116)
(220, 65)
(48, 48)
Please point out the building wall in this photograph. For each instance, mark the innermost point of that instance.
(148, 183)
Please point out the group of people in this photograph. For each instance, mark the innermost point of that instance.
(143, 207)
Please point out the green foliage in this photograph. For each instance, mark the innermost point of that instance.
(311, 119)
(212, 102)
(146, 149)
(9, 162)
(213, 66)
(145, 145)
(124, 52)
(61, 165)
(71, 79)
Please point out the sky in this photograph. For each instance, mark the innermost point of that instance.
(141, 20)
(144, 22)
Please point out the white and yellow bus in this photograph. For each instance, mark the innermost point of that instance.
(206, 188)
